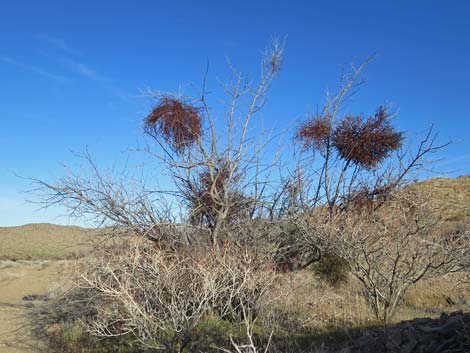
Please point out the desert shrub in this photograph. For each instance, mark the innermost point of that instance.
(171, 301)
(58, 323)
(332, 268)
(394, 247)
(176, 293)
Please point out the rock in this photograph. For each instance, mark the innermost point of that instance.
(442, 335)
(410, 341)
(443, 346)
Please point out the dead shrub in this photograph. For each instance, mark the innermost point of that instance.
(162, 299)
(391, 249)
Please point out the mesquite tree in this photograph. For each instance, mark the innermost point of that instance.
(362, 158)
(220, 174)
(217, 170)
(217, 177)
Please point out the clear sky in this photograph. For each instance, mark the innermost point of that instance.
(71, 71)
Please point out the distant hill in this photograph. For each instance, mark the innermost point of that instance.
(43, 241)
(451, 195)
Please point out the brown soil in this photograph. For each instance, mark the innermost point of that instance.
(17, 280)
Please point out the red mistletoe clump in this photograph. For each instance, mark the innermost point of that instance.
(218, 182)
(366, 143)
(368, 199)
(209, 197)
(179, 123)
(315, 133)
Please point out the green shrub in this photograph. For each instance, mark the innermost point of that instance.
(332, 269)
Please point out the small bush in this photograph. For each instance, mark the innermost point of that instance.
(332, 268)
(144, 299)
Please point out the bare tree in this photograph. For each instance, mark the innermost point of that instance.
(220, 178)
(218, 172)
(392, 248)
(358, 160)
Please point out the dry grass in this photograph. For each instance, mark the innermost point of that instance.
(43, 242)
(452, 196)
(326, 314)
(320, 308)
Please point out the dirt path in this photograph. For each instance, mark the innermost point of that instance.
(18, 280)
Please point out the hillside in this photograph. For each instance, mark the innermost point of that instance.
(43, 241)
(451, 195)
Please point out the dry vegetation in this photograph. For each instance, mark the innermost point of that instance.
(305, 309)
(451, 196)
(33, 242)
(142, 298)
(263, 254)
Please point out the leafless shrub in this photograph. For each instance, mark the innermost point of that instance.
(109, 198)
(392, 248)
(286, 243)
(250, 346)
(219, 176)
(218, 173)
(160, 298)
(362, 159)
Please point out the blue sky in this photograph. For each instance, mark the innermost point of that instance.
(71, 71)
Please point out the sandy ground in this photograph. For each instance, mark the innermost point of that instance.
(16, 281)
